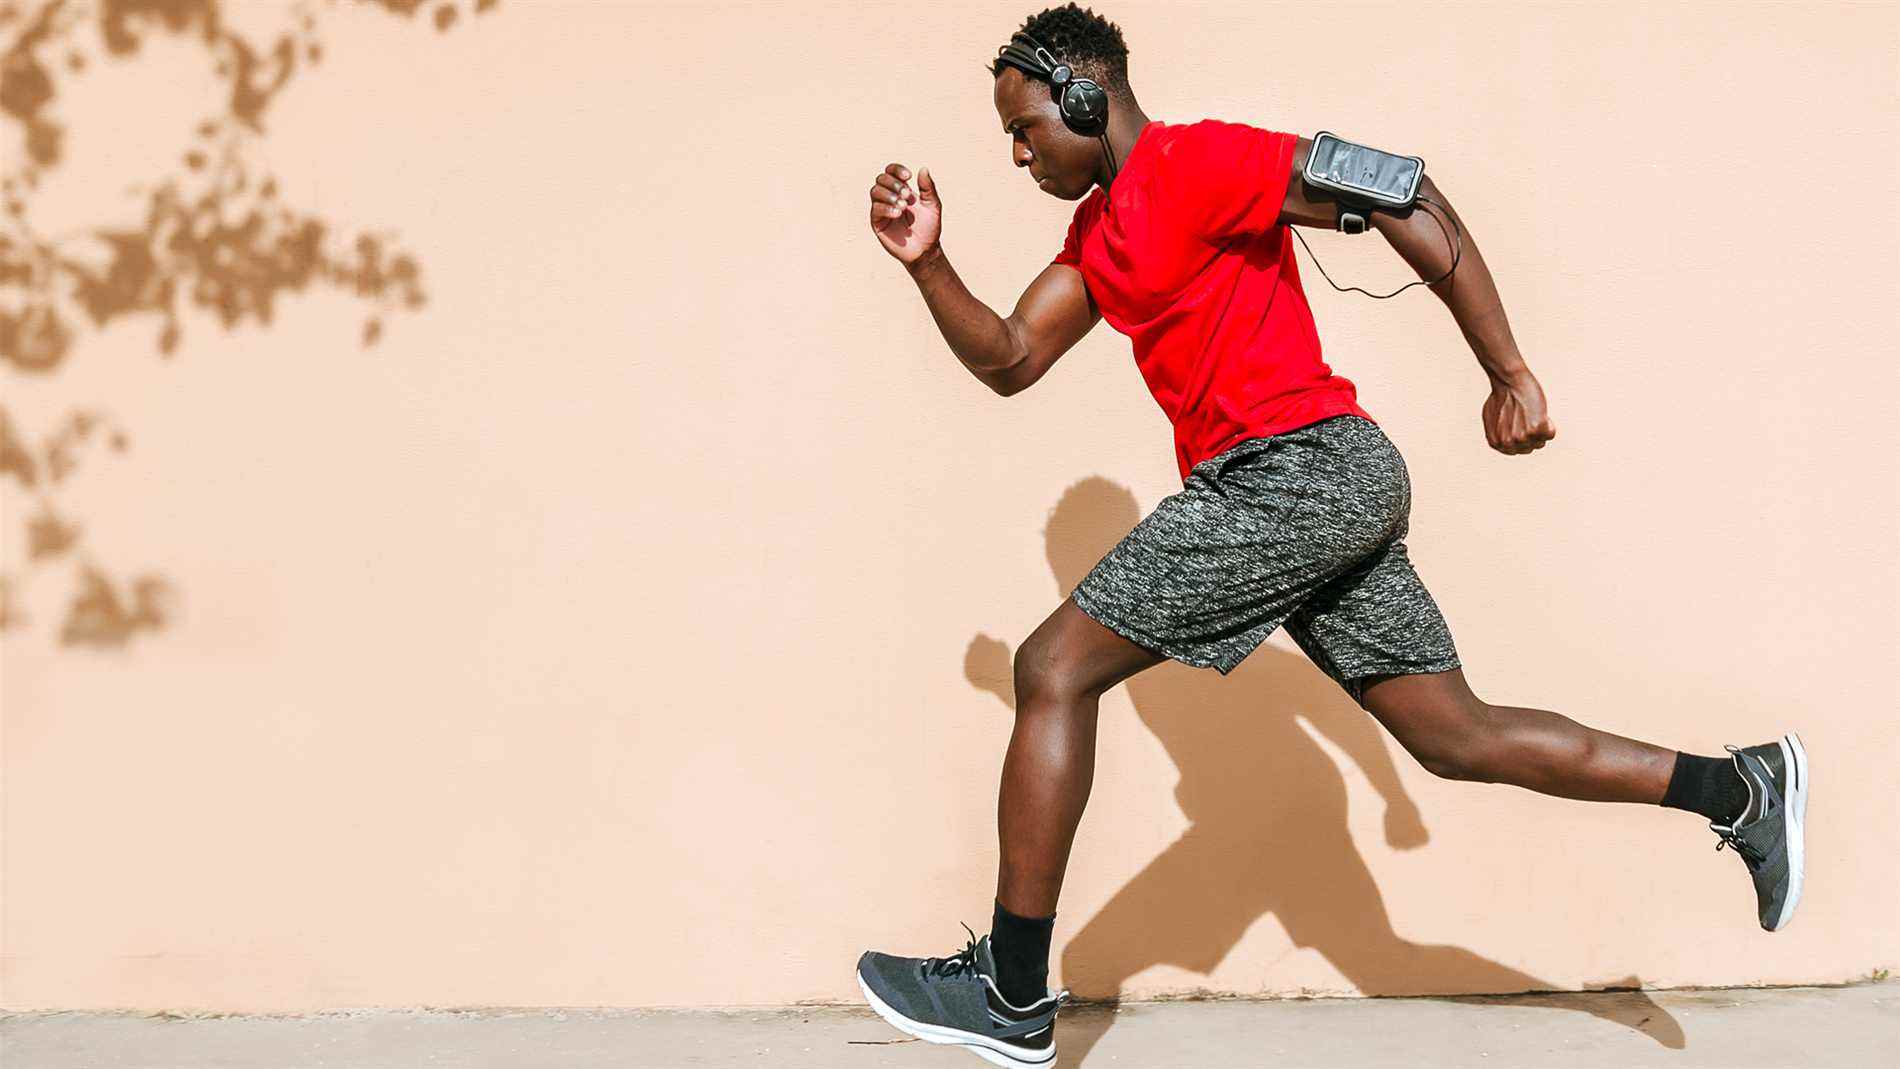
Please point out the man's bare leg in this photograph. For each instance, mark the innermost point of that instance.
(1454, 734)
(1755, 799)
(1061, 672)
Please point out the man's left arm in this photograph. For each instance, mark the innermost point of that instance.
(1515, 416)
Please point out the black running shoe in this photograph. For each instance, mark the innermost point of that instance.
(955, 1000)
(1770, 830)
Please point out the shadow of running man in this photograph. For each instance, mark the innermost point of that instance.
(1267, 824)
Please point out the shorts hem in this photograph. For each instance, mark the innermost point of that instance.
(1146, 641)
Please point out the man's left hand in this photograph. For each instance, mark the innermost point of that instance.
(1515, 420)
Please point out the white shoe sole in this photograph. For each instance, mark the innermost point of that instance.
(1795, 758)
(987, 1049)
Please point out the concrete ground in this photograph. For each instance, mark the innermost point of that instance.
(1783, 1028)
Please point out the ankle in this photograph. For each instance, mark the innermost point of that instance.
(1707, 785)
(1021, 948)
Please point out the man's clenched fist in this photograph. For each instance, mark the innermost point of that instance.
(1515, 417)
(907, 219)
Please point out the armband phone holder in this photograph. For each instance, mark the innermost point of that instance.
(1363, 180)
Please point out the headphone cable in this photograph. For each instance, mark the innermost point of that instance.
(1457, 251)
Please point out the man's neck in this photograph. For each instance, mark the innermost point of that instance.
(1123, 128)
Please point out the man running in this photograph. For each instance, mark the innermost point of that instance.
(1293, 510)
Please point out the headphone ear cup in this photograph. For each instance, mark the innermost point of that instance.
(1084, 107)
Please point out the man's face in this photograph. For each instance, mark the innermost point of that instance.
(1061, 161)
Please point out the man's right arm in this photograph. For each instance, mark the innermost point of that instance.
(1007, 354)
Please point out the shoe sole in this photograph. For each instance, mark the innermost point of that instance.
(981, 1046)
(1794, 757)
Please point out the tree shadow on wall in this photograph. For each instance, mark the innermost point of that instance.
(1268, 830)
(211, 234)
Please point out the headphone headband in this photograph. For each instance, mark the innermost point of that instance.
(1082, 103)
(1032, 58)
(1039, 53)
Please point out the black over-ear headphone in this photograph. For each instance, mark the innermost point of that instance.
(1084, 104)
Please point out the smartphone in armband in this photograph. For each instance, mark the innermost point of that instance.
(1363, 179)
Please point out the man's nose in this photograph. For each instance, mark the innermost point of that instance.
(1023, 156)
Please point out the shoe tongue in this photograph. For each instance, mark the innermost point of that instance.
(1757, 800)
(985, 957)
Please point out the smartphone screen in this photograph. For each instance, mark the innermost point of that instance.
(1383, 175)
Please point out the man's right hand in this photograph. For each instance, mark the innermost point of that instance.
(907, 219)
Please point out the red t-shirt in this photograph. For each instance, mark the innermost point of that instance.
(1186, 256)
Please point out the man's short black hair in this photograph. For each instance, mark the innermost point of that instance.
(1090, 44)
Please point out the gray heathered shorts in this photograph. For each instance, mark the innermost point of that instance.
(1305, 529)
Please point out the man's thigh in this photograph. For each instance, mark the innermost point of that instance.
(1374, 622)
(1071, 650)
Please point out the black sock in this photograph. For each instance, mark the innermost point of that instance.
(1021, 946)
(1707, 785)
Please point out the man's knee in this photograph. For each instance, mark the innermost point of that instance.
(1042, 671)
(1469, 765)
(1451, 732)
(1462, 744)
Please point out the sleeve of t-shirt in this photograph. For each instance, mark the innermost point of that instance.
(1233, 177)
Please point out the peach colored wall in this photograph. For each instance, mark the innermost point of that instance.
(628, 625)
